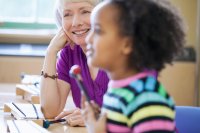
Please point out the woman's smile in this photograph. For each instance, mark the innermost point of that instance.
(80, 32)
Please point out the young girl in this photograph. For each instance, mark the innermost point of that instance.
(127, 38)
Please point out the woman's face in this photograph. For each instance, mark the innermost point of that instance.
(76, 21)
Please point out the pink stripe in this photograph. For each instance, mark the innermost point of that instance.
(117, 128)
(154, 125)
(124, 82)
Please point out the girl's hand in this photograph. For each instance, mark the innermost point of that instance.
(73, 117)
(95, 108)
(59, 41)
(93, 124)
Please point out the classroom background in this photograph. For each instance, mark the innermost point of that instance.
(26, 28)
(25, 33)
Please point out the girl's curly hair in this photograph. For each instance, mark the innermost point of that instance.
(156, 30)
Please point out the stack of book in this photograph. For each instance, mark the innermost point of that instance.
(24, 110)
(29, 88)
(28, 117)
(21, 126)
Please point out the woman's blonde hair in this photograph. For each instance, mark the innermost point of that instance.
(58, 8)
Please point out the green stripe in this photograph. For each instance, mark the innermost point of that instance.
(15, 25)
(124, 93)
(161, 90)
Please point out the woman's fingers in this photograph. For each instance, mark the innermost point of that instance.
(64, 114)
(70, 42)
(76, 120)
(74, 113)
(73, 117)
(58, 42)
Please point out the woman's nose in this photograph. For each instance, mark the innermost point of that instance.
(77, 21)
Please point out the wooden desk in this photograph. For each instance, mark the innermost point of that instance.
(7, 94)
(4, 116)
(31, 94)
(54, 128)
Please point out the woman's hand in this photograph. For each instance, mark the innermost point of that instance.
(73, 117)
(59, 41)
(93, 124)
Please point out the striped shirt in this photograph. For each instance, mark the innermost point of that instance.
(138, 104)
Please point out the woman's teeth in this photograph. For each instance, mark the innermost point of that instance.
(80, 32)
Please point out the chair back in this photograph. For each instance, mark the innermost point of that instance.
(187, 119)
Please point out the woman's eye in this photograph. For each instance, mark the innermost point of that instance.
(66, 15)
(86, 12)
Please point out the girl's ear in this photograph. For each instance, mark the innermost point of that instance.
(127, 46)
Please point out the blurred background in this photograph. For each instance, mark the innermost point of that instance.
(27, 26)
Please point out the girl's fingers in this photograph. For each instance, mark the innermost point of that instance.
(102, 117)
(83, 99)
(89, 113)
(96, 107)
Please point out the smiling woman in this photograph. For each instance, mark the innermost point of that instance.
(74, 18)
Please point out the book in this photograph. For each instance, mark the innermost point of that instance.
(24, 110)
(30, 79)
(31, 89)
(28, 92)
(24, 126)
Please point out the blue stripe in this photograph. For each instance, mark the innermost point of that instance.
(138, 85)
(144, 98)
(111, 101)
(150, 83)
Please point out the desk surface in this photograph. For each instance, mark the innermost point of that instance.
(7, 94)
(55, 128)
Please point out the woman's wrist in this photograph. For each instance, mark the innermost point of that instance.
(46, 75)
(51, 52)
(50, 62)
